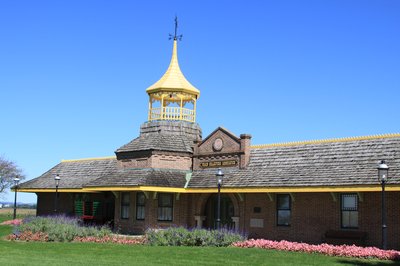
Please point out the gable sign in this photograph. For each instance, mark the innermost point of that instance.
(216, 164)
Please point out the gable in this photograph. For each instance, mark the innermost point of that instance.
(222, 149)
(219, 141)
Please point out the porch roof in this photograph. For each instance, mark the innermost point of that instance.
(74, 174)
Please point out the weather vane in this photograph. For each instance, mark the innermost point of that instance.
(176, 37)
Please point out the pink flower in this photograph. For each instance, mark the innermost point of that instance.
(331, 250)
(12, 222)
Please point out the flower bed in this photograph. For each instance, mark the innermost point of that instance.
(112, 239)
(55, 229)
(12, 222)
(331, 250)
(29, 236)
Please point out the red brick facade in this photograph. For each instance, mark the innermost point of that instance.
(312, 215)
(164, 160)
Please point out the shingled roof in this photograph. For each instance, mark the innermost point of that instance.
(343, 162)
(141, 177)
(74, 173)
(347, 162)
(159, 142)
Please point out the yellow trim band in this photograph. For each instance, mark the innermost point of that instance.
(139, 188)
(296, 143)
(370, 188)
(53, 190)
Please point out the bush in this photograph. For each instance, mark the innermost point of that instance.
(59, 228)
(179, 236)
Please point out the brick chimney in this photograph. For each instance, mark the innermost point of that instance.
(245, 142)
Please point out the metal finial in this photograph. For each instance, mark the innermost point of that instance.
(175, 36)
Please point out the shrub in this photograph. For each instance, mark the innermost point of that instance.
(57, 228)
(331, 250)
(179, 236)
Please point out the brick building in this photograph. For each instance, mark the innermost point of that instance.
(313, 191)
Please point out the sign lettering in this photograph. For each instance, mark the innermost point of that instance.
(215, 164)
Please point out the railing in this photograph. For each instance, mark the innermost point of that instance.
(172, 113)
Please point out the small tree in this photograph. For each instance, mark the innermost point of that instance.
(8, 171)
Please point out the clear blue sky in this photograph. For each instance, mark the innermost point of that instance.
(73, 74)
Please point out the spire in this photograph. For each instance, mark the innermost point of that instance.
(173, 88)
(173, 79)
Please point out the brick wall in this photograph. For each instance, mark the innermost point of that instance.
(171, 161)
(312, 214)
(182, 213)
(315, 213)
(167, 160)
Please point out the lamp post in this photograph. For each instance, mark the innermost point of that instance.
(220, 176)
(383, 170)
(16, 182)
(57, 180)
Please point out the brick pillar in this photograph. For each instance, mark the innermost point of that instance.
(245, 141)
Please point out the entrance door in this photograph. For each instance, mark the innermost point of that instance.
(227, 212)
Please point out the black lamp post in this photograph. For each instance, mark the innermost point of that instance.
(383, 170)
(57, 180)
(220, 176)
(16, 182)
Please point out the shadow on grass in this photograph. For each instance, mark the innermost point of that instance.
(369, 263)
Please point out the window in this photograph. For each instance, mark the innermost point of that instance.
(125, 202)
(283, 203)
(349, 209)
(140, 206)
(165, 207)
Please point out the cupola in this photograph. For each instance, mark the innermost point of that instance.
(173, 97)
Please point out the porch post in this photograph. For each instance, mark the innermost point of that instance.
(236, 221)
(199, 221)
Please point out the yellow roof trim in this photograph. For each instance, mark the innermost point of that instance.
(370, 188)
(173, 79)
(296, 143)
(139, 188)
(88, 159)
(53, 190)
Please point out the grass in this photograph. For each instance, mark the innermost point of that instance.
(7, 213)
(28, 253)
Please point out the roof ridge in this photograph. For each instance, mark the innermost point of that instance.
(155, 169)
(88, 159)
(345, 139)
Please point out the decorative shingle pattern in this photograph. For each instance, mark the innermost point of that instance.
(160, 142)
(323, 164)
(141, 177)
(73, 174)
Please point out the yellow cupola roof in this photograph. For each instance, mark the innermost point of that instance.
(173, 80)
(172, 97)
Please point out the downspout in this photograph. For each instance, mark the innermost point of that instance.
(188, 178)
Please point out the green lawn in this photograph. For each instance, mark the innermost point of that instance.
(26, 253)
